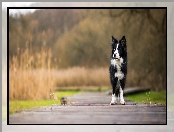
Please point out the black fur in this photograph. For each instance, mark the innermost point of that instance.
(122, 51)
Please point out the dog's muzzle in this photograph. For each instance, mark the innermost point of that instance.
(117, 58)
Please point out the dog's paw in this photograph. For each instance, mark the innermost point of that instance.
(122, 102)
(113, 103)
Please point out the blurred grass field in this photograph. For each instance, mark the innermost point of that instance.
(18, 105)
(151, 97)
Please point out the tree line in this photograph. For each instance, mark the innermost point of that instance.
(82, 38)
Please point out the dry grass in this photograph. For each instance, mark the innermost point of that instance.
(30, 75)
(80, 76)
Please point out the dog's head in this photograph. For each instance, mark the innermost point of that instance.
(118, 48)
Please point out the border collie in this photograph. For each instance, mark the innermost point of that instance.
(118, 69)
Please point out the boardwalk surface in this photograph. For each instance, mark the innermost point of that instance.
(92, 108)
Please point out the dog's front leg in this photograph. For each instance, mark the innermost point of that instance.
(113, 83)
(113, 101)
(121, 97)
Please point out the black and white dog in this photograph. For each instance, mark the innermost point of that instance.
(118, 69)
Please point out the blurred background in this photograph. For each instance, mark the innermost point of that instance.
(54, 48)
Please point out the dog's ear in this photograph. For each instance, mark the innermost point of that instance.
(123, 37)
(123, 41)
(114, 40)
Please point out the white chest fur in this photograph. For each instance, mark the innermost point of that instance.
(117, 64)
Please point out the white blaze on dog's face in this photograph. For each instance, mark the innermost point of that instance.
(116, 53)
